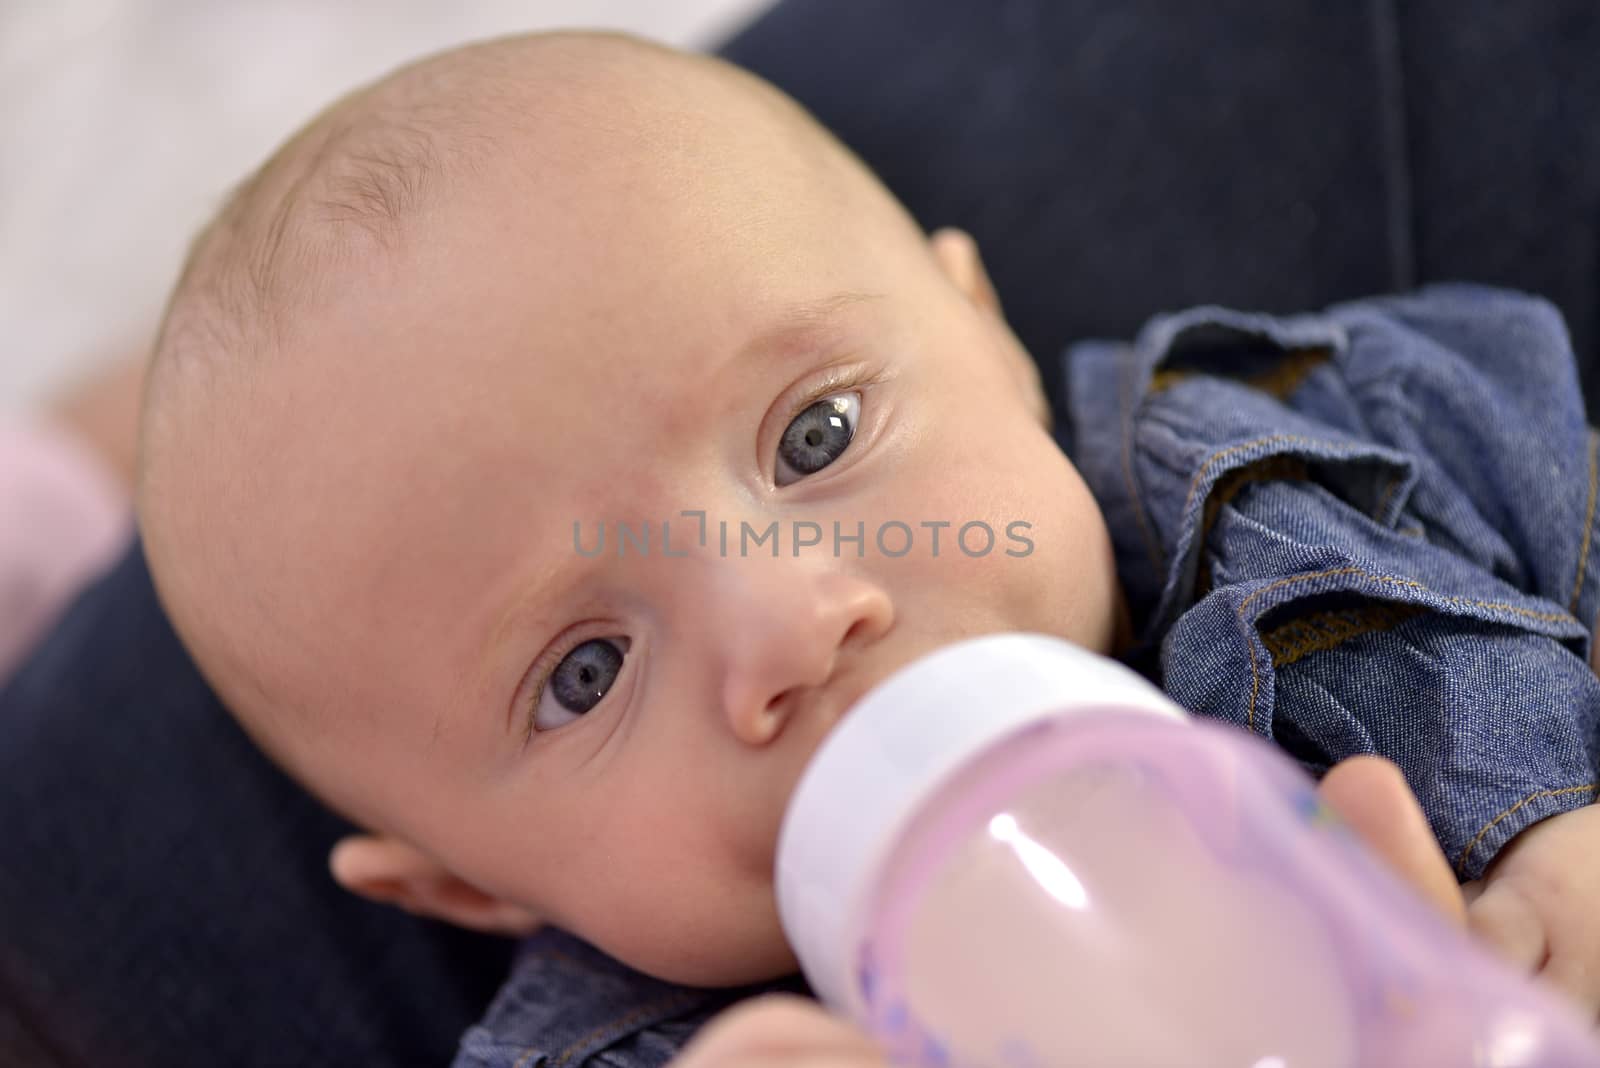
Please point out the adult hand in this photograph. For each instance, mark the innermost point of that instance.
(1367, 792)
(780, 1031)
(1371, 795)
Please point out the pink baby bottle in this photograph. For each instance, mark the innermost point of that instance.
(1014, 853)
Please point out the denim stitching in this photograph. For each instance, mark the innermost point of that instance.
(1383, 502)
(1278, 381)
(1255, 680)
(618, 1025)
(1229, 486)
(1299, 638)
(1200, 475)
(1466, 854)
(1289, 373)
(1165, 378)
(1255, 671)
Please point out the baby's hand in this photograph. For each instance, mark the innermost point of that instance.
(1539, 904)
(779, 1032)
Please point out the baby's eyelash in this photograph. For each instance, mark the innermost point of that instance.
(544, 666)
(839, 380)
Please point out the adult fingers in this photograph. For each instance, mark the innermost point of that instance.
(780, 1031)
(1370, 794)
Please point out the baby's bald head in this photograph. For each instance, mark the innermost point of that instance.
(355, 182)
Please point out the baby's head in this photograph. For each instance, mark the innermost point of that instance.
(478, 316)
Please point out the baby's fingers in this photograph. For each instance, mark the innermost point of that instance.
(1508, 922)
(1517, 925)
(1577, 974)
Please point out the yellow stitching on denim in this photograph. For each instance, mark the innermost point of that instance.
(1229, 486)
(617, 1025)
(1276, 468)
(1279, 380)
(1285, 376)
(1588, 525)
(1466, 854)
(1383, 502)
(1255, 674)
(1165, 378)
(1200, 475)
(1255, 683)
(1299, 638)
(1410, 584)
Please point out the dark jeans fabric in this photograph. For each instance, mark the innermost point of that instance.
(1119, 158)
(163, 892)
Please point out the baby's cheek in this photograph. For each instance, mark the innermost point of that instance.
(1070, 566)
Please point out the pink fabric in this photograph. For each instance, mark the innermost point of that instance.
(63, 520)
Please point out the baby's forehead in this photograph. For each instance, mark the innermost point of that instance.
(599, 418)
(568, 290)
(544, 121)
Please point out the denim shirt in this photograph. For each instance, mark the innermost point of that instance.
(1367, 530)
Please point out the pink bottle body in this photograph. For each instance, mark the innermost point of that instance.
(1113, 889)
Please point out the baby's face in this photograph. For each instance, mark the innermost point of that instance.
(713, 321)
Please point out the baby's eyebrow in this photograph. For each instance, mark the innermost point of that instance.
(798, 325)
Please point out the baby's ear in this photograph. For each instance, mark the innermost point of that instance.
(957, 255)
(386, 869)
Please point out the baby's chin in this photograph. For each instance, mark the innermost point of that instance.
(753, 951)
(758, 967)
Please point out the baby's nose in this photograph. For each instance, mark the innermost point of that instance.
(785, 626)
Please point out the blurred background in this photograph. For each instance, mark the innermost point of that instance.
(126, 122)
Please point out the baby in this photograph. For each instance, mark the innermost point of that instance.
(551, 441)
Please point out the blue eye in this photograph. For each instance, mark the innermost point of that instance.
(579, 682)
(817, 437)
